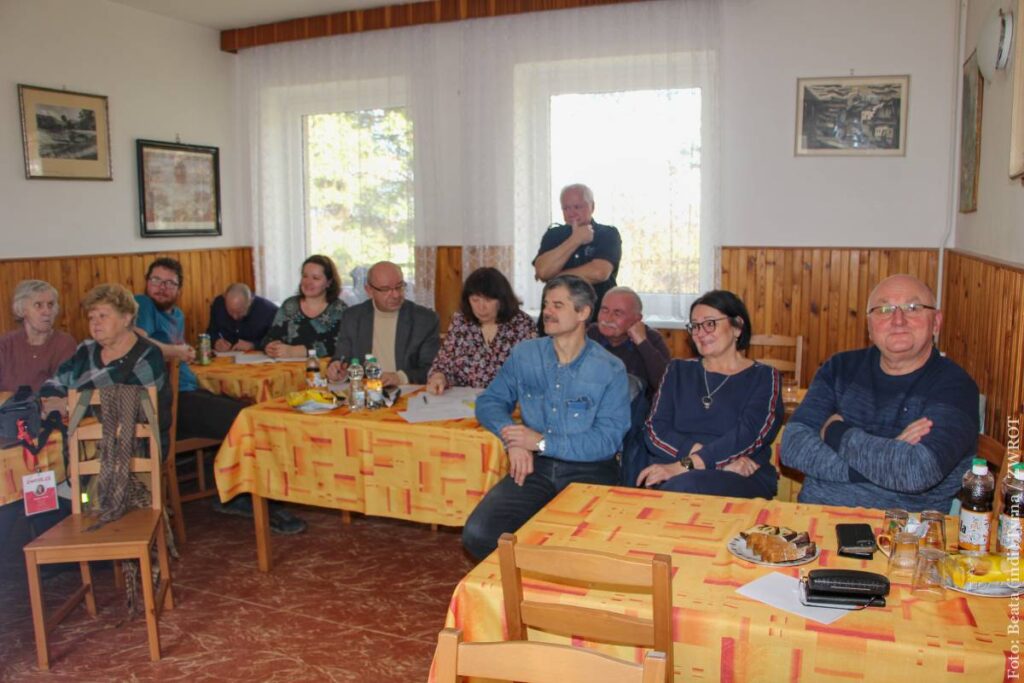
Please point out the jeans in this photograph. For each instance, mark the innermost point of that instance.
(508, 506)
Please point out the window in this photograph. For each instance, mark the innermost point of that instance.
(358, 191)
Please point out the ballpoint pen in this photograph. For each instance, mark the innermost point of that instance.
(425, 399)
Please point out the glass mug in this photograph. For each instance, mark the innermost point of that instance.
(928, 582)
(903, 557)
(935, 530)
(789, 391)
(895, 522)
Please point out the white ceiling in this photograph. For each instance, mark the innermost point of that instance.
(226, 14)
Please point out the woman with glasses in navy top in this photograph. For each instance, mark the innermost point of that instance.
(714, 417)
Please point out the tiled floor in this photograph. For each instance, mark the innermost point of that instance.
(361, 602)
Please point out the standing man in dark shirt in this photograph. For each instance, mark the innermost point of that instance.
(580, 247)
(239, 320)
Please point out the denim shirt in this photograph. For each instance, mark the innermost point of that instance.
(581, 409)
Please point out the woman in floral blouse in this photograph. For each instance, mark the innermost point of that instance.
(309, 320)
(482, 333)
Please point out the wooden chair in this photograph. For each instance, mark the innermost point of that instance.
(652, 575)
(537, 663)
(775, 340)
(176, 447)
(129, 537)
(790, 480)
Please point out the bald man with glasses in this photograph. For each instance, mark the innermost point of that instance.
(402, 335)
(894, 425)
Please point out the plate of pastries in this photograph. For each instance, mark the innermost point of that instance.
(776, 546)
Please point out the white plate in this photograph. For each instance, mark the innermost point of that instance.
(1005, 591)
(738, 547)
(315, 408)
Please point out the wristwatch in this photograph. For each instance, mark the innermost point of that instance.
(541, 445)
(687, 463)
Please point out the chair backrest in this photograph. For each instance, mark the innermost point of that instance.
(92, 430)
(779, 341)
(651, 575)
(790, 480)
(538, 663)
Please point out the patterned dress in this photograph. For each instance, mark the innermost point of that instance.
(467, 360)
(292, 327)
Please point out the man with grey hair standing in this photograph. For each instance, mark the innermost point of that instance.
(239, 320)
(574, 402)
(894, 425)
(580, 247)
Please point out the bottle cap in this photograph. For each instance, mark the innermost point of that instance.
(1018, 471)
(979, 466)
(355, 360)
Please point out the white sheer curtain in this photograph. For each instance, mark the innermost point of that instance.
(479, 94)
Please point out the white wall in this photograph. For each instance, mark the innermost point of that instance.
(997, 228)
(772, 197)
(164, 78)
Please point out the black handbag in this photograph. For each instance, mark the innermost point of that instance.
(23, 406)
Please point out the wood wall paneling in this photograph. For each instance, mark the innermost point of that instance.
(982, 331)
(207, 273)
(392, 16)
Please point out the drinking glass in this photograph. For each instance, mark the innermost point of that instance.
(789, 392)
(928, 580)
(903, 557)
(895, 522)
(935, 530)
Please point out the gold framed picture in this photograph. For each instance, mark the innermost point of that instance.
(66, 135)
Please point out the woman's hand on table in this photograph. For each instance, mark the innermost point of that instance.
(652, 475)
(336, 371)
(742, 466)
(278, 349)
(520, 464)
(435, 384)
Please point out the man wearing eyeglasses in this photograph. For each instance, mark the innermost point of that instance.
(403, 336)
(894, 425)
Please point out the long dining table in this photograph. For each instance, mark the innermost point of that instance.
(719, 634)
(254, 382)
(367, 461)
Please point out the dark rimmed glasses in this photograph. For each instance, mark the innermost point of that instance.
(911, 310)
(706, 326)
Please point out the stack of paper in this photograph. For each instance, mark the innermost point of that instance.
(454, 404)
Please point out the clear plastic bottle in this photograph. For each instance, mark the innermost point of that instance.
(356, 391)
(1008, 538)
(976, 497)
(314, 378)
(374, 384)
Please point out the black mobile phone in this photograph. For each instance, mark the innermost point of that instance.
(855, 540)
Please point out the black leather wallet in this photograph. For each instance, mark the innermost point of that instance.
(855, 540)
(843, 589)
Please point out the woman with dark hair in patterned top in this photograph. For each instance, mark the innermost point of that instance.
(483, 332)
(310, 319)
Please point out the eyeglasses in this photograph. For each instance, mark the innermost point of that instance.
(911, 310)
(706, 326)
(397, 289)
(168, 284)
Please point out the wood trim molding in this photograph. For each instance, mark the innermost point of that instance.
(391, 16)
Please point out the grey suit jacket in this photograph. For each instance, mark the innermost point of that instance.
(416, 337)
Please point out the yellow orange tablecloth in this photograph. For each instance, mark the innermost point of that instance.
(722, 636)
(257, 381)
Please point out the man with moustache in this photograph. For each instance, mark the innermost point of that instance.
(574, 402)
(200, 413)
(620, 329)
(580, 247)
(894, 425)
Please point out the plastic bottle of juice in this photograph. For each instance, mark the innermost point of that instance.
(314, 378)
(976, 497)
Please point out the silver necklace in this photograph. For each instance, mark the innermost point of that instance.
(706, 399)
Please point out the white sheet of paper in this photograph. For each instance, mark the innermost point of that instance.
(454, 404)
(233, 354)
(783, 592)
(253, 358)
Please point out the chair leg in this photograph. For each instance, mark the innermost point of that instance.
(201, 469)
(35, 595)
(146, 579)
(171, 475)
(118, 575)
(165, 568)
(90, 598)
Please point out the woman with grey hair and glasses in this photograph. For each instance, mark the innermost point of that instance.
(32, 353)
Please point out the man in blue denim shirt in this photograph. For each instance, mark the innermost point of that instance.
(574, 401)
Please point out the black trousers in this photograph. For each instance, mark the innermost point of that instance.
(206, 415)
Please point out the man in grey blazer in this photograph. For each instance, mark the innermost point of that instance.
(402, 335)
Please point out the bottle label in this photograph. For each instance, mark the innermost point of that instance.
(974, 531)
(1008, 536)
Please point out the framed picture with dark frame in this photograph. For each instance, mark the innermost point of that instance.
(65, 135)
(179, 189)
(852, 116)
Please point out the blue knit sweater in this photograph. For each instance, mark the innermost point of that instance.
(861, 463)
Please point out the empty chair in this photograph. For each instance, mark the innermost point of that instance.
(537, 663)
(653, 576)
(128, 537)
(779, 341)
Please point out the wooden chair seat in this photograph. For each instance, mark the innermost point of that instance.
(130, 537)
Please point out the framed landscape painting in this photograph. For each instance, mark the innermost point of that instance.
(852, 115)
(179, 189)
(66, 135)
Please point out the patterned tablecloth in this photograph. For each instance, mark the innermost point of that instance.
(722, 636)
(257, 381)
(372, 462)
